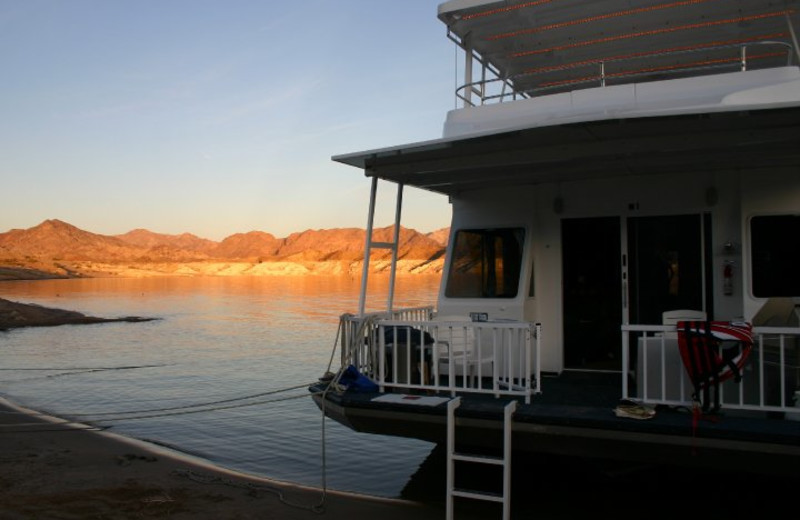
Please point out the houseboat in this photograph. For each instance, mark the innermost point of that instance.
(624, 177)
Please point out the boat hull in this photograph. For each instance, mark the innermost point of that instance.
(769, 446)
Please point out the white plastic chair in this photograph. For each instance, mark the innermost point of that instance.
(458, 339)
(674, 316)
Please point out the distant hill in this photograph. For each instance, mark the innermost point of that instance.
(57, 248)
(58, 240)
(186, 241)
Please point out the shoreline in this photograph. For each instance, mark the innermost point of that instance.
(51, 468)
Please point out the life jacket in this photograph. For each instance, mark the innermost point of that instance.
(713, 352)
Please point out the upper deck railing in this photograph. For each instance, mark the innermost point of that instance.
(601, 72)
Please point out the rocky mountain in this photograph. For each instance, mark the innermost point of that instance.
(440, 236)
(254, 245)
(57, 240)
(185, 241)
(62, 249)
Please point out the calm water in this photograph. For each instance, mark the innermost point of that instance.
(217, 340)
(221, 340)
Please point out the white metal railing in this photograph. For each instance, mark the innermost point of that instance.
(410, 349)
(770, 380)
(501, 89)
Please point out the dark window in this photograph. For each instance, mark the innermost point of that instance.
(775, 253)
(532, 288)
(486, 263)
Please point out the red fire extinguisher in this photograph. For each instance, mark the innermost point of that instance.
(727, 279)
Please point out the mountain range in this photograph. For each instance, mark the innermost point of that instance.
(56, 248)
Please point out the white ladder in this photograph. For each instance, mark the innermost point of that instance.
(504, 461)
(370, 244)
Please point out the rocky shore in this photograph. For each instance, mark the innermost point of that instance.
(16, 315)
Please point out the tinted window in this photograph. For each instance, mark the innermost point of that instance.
(775, 253)
(486, 263)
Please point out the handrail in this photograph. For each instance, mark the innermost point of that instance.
(770, 376)
(420, 353)
(741, 61)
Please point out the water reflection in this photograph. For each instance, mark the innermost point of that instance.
(219, 339)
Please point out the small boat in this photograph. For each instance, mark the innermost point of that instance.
(623, 250)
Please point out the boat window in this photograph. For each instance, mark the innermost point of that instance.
(775, 254)
(486, 263)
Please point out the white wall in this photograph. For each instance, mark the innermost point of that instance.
(532, 208)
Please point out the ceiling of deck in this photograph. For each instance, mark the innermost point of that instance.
(547, 44)
(727, 141)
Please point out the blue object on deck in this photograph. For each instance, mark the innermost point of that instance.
(353, 380)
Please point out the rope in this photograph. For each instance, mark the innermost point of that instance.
(86, 368)
(324, 469)
(67, 371)
(151, 416)
(78, 427)
(183, 407)
(187, 412)
(210, 403)
(334, 383)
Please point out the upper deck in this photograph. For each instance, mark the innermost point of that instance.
(538, 47)
(562, 61)
(542, 78)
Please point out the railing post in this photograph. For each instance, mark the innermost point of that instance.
(743, 58)
(538, 368)
(381, 360)
(362, 299)
(625, 362)
(468, 59)
(796, 47)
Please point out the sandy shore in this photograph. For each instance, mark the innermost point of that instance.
(50, 470)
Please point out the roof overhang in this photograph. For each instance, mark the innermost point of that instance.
(724, 141)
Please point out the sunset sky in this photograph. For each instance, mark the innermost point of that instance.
(214, 116)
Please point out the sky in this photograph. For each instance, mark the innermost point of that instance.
(215, 117)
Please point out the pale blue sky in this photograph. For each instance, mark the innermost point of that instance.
(214, 116)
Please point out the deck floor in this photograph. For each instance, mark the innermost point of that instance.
(581, 404)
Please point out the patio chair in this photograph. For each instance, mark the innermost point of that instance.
(457, 335)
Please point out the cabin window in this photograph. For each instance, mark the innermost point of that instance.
(485, 263)
(775, 254)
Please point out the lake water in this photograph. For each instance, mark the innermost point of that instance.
(227, 342)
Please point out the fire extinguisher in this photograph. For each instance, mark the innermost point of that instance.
(727, 279)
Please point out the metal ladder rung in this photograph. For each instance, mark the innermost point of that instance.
(483, 459)
(504, 461)
(478, 495)
(383, 245)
